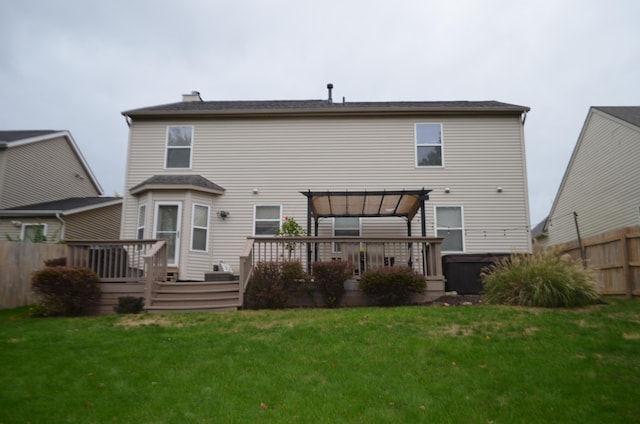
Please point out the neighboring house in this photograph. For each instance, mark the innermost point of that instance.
(76, 218)
(41, 166)
(47, 185)
(601, 184)
(208, 174)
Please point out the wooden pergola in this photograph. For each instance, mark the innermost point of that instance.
(401, 203)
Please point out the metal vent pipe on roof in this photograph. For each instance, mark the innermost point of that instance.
(330, 88)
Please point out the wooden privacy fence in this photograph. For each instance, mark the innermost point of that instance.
(17, 261)
(615, 256)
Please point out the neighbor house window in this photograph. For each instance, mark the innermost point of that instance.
(142, 213)
(179, 146)
(266, 220)
(345, 226)
(34, 233)
(449, 225)
(428, 144)
(200, 228)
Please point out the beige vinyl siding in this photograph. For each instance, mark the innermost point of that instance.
(97, 224)
(42, 172)
(8, 230)
(282, 157)
(602, 184)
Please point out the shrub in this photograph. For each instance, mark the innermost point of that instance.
(129, 305)
(546, 279)
(66, 291)
(392, 285)
(330, 277)
(271, 283)
(56, 262)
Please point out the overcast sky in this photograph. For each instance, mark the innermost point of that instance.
(76, 64)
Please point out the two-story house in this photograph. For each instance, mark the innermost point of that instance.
(600, 190)
(205, 175)
(48, 191)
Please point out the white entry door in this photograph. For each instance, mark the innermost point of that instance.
(167, 226)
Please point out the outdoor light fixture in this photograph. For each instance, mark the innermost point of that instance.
(222, 214)
(499, 189)
(255, 191)
(447, 190)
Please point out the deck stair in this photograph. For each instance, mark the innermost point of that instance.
(196, 296)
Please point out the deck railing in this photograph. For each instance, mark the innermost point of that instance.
(422, 254)
(121, 261)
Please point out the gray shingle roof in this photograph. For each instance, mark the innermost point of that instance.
(9, 136)
(630, 114)
(191, 180)
(538, 230)
(65, 204)
(320, 106)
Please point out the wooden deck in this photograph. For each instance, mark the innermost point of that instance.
(138, 268)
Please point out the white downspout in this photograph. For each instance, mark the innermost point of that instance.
(62, 227)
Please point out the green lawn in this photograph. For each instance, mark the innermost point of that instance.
(469, 364)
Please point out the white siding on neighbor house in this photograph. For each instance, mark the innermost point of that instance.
(282, 157)
(41, 172)
(602, 181)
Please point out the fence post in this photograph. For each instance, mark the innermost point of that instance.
(626, 269)
(149, 280)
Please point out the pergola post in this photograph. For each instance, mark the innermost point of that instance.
(423, 225)
(309, 205)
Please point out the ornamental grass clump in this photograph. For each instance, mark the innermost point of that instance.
(392, 285)
(547, 279)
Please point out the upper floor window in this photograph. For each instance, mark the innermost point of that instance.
(428, 144)
(200, 230)
(266, 220)
(179, 146)
(449, 224)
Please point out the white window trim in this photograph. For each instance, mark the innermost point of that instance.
(435, 226)
(333, 223)
(416, 145)
(32, 224)
(255, 207)
(166, 146)
(194, 227)
(139, 225)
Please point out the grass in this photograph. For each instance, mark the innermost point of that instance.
(489, 364)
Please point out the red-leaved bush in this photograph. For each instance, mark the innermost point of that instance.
(66, 291)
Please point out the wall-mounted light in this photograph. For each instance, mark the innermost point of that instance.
(255, 191)
(499, 189)
(222, 214)
(447, 190)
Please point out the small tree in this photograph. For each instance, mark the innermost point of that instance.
(290, 228)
